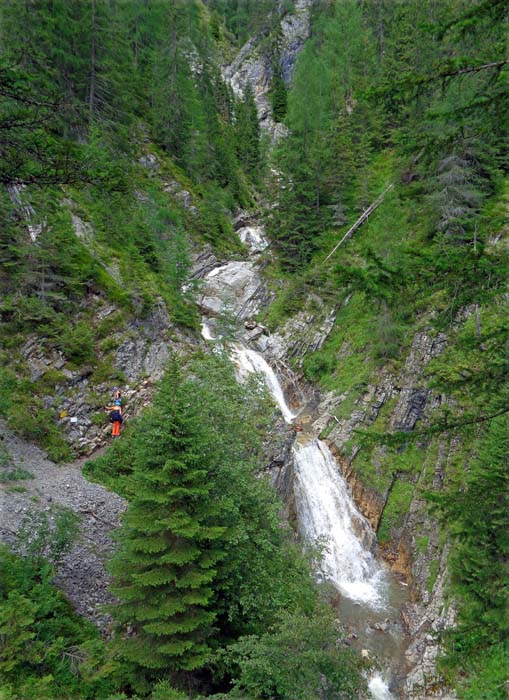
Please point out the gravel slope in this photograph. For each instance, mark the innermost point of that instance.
(81, 575)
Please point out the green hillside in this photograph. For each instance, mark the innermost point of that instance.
(124, 154)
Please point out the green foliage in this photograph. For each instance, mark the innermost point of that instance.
(343, 363)
(48, 535)
(26, 414)
(170, 544)
(331, 130)
(476, 517)
(77, 343)
(396, 508)
(248, 133)
(72, 113)
(15, 475)
(246, 18)
(46, 650)
(303, 657)
(203, 555)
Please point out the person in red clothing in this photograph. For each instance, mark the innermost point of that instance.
(116, 413)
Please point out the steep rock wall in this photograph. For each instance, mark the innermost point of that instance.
(252, 65)
(413, 548)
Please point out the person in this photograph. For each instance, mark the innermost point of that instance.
(115, 410)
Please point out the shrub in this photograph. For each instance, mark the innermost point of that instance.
(77, 343)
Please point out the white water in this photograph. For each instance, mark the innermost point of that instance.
(253, 238)
(249, 362)
(379, 689)
(206, 331)
(326, 512)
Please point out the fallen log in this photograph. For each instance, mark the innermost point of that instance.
(362, 218)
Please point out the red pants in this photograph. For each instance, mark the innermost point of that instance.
(115, 429)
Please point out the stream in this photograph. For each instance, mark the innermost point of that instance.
(366, 596)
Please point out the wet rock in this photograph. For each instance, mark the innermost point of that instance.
(235, 289)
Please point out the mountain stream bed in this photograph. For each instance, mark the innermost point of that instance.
(367, 597)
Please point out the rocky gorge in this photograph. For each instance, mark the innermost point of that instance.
(237, 289)
(349, 365)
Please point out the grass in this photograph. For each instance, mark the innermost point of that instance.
(421, 544)
(396, 508)
(434, 569)
(15, 474)
(344, 362)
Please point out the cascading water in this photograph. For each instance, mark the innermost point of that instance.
(326, 513)
(325, 509)
(379, 689)
(249, 362)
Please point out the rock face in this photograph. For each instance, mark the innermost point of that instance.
(203, 262)
(424, 623)
(295, 31)
(145, 350)
(413, 402)
(278, 458)
(235, 289)
(252, 64)
(81, 574)
(305, 332)
(139, 355)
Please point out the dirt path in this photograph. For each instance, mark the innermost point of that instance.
(82, 574)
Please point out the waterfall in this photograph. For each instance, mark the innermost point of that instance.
(379, 689)
(325, 509)
(206, 331)
(326, 513)
(249, 361)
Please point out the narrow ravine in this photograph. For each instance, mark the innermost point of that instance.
(367, 597)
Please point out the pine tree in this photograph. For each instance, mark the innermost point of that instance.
(170, 542)
(248, 132)
(278, 93)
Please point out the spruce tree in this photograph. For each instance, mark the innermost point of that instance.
(170, 543)
(248, 132)
(278, 94)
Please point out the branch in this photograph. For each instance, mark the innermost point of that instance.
(437, 429)
(463, 71)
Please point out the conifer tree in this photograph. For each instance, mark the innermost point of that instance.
(248, 131)
(278, 94)
(170, 544)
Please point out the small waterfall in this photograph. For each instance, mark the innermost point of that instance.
(249, 362)
(379, 689)
(326, 512)
(206, 331)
